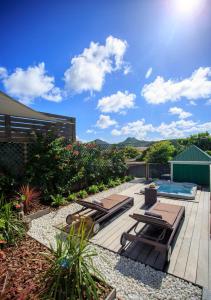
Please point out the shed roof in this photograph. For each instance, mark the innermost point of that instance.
(9, 106)
(192, 153)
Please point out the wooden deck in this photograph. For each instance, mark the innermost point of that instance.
(190, 254)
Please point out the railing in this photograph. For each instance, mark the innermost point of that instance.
(19, 129)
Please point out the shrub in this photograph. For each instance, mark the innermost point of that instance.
(93, 189)
(61, 168)
(70, 275)
(57, 200)
(7, 184)
(82, 194)
(72, 197)
(11, 228)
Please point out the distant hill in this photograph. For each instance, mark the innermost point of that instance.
(131, 141)
(100, 142)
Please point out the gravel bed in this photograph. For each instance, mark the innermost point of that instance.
(132, 280)
(135, 281)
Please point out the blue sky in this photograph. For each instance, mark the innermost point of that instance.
(123, 68)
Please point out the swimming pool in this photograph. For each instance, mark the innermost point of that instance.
(183, 190)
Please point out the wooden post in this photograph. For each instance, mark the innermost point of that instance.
(7, 123)
(147, 171)
(25, 153)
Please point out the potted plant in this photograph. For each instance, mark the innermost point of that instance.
(72, 274)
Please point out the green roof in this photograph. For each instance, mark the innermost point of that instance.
(192, 153)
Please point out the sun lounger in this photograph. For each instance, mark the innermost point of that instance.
(161, 224)
(99, 211)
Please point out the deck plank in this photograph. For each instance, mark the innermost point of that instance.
(179, 238)
(182, 259)
(191, 266)
(203, 258)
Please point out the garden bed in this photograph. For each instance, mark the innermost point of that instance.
(22, 270)
(22, 267)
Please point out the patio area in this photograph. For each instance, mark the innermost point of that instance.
(190, 254)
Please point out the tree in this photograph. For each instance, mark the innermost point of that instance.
(160, 152)
(131, 152)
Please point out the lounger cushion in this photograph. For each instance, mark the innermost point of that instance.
(97, 202)
(113, 200)
(154, 215)
(169, 212)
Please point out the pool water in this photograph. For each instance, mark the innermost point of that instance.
(170, 188)
(179, 190)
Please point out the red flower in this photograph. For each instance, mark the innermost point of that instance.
(17, 206)
(76, 152)
(69, 147)
(3, 242)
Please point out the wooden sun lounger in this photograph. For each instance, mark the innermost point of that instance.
(161, 224)
(97, 212)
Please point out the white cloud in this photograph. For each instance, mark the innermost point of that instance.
(192, 103)
(31, 83)
(88, 70)
(194, 87)
(174, 129)
(148, 73)
(179, 112)
(117, 102)
(89, 131)
(208, 102)
(136, 129)
(127, 69)
(105, 122)
(3, 72)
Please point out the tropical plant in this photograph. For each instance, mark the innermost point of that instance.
(72, 274)
(82, 194)
(93, 189)
(27, 195)
(58, 200)
(11, 228)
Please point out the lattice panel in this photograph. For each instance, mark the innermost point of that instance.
(12, 158)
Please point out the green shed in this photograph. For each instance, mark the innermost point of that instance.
(192, 165)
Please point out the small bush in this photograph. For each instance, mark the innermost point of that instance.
(102, 187)
(82, 194)
(118, 181)
(72, 197)
(129, 178)
(57, 200)
(93, 189)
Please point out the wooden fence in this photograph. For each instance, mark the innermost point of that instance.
(147, 170)
(19, 129)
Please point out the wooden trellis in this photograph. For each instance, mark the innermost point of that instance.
(19, 129)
